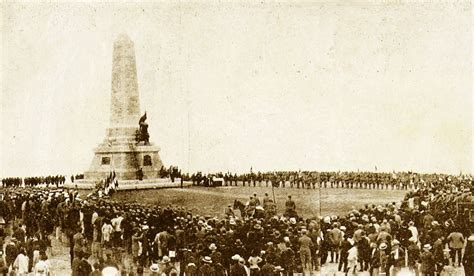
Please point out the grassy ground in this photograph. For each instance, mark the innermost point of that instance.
(212, 201)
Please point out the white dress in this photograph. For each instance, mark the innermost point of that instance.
(21, 264)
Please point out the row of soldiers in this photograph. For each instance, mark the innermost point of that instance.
(12, 182)
(55, 180)
(366, 180)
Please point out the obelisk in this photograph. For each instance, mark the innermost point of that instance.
(125, 104)
(120, 153)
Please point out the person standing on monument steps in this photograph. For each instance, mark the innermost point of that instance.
(140, 174)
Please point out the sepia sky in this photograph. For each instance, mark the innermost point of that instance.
(274, 86)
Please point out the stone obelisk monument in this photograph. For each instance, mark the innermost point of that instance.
(120, 152)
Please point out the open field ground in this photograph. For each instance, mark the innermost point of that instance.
(212, 201)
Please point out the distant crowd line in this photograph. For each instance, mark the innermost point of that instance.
(54, 180)
(313, 180)
(281, 179)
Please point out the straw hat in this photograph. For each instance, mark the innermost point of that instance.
(427, 246)
(165, 259)
(207, 259)
(212, 247)
(154, 268)
(236, 257)
(278, 269)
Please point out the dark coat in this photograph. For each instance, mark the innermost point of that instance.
(427, 262)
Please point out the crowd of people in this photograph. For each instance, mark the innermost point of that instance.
(423, 233)
(12, 182)
(55, 180)
(313, 179)
(172, 172)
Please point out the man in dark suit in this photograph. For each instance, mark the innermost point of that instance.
(374, 259)
(427, 261)
(237, 269)
(397, 257)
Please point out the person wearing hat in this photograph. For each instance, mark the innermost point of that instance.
(305, 244)
(278, 271)
(288, 257)
(255, 235)
(236, 268)
(190, 267)
(413, 252)
(167, 267)
(206, 267)
(438, 254)
(219, 269)
(427, 261)
(384, 255)
(214, 254)
(374, 263)
(346, 245)
(155, 269)
(397, 257)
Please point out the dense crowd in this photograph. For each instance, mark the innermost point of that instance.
(134, 238)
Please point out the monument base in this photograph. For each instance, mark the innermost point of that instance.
(125, 185)
(120, 153)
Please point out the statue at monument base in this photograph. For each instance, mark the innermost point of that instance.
(142, 134)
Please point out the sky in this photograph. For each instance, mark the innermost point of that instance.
(327, 86)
